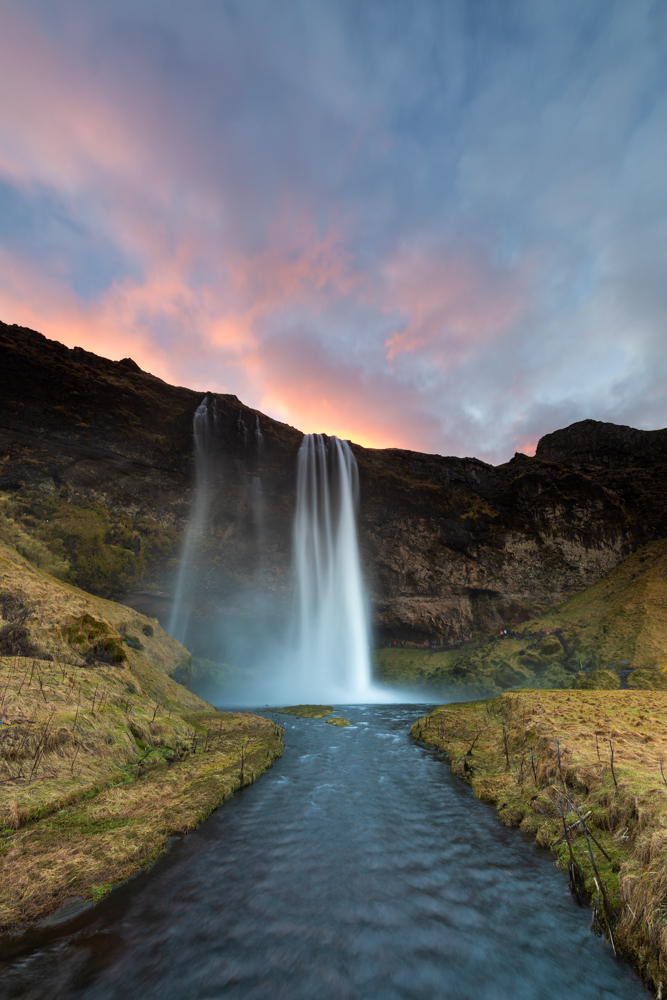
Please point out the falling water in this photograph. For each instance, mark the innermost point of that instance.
(333, 622)
(205, 427)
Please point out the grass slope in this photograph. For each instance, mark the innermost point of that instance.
(617, 624)
(544, 758)
(102, 755)
(85, 542)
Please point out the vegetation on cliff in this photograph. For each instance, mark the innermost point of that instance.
(583, 771)
(612, 632)
(85, 543)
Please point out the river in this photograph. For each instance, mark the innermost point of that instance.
(358, 868)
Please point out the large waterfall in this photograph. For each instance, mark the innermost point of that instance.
(263, 654)
(333, 645)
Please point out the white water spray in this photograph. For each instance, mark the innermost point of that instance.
(204, 426)
(333, 642)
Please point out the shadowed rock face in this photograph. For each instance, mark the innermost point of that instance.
(451, 546)
(592, 444)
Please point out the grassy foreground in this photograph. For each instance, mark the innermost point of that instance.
(103, 755)
(96, 775)
(583, 771)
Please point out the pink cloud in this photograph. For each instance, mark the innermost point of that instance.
(279, 295)
(453, 302)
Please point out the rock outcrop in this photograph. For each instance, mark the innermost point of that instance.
(592, 444)
(97, 471)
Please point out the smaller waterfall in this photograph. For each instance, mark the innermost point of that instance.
(205, 427)
(333, 642)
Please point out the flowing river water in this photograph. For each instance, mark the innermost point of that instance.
(358, 868)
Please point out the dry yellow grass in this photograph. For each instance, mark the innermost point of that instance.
(96, 774)
(545, 759)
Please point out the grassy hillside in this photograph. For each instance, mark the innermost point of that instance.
(617, 625)
(584, 772)
(103, 755)
(85, 542)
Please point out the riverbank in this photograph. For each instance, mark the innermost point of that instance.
(97, 775)
(359, 868)
(584, 772)
(103, 755)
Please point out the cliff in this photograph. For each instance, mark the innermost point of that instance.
(97, 477)
(611, 634)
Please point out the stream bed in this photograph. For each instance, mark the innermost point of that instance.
(357, 868)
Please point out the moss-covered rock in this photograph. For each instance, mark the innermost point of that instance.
(648, 680)
(305, 711)
(597, 680)
(550, 646)
(337, 721)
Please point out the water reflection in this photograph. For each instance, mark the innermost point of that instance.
(357, 869)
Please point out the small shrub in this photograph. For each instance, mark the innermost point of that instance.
(109, 650)
(15, 641)
(597, 680)
(550, 646)
(648, 680)
(13, 609)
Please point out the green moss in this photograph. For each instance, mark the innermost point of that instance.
(305, 711)
(85, 544)
(550, 646)
(95, 638)
(530, 659)
(648, 680)
(337, 721)
(100, 891)
(597, 680)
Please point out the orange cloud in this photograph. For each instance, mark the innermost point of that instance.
(452, 303)
(293, 324)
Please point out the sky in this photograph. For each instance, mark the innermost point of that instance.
(439, 225)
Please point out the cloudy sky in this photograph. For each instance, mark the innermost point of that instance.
(434, 225)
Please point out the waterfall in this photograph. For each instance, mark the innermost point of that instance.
(333, 642)
(205, 427)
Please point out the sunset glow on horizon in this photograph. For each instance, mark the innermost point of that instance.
(438, 228)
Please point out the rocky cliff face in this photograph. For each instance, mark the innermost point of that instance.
(97, 474)
(592, 444)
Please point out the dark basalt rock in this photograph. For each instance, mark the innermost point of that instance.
(452, 547)
(592, 444)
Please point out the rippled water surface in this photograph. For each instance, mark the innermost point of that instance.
(358, 867)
